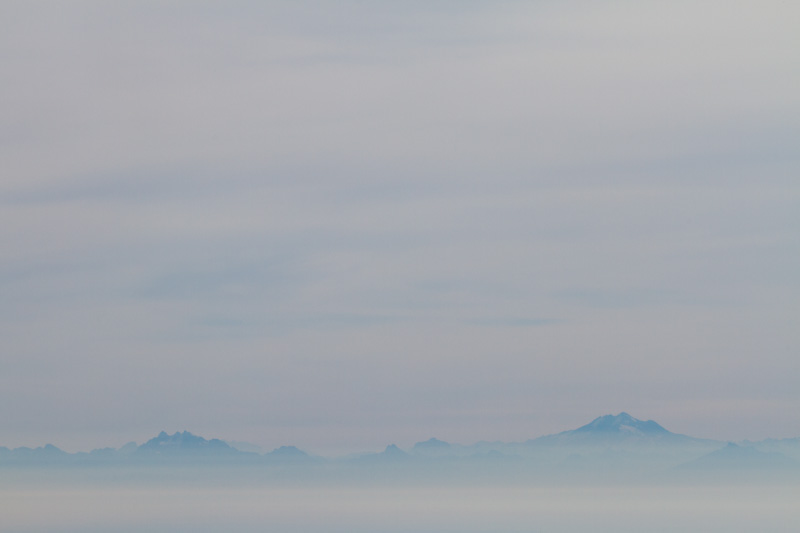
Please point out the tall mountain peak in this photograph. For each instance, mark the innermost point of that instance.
(183, 442)
(622, 423)
(617, 430)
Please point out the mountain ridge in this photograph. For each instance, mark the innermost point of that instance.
(734, 456)
(620, 440)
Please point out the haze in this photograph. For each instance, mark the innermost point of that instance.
(341, 225)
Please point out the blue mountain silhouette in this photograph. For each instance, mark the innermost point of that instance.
(618, 429)
(735, 457)
(182, 443)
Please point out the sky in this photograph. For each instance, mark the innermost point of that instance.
(340, 225)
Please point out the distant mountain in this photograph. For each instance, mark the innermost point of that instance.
(288, 451)
(289, 455)
(432, 444)
(164, 449)
(432, 448)
(392, 451)
(735, 457)
(43, 455)
(607, 445)
(622, 423)
(620, 430)
(392, 454)
(788, 447)
(184, 443)
(436, 449)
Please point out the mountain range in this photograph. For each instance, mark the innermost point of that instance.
(607, 443)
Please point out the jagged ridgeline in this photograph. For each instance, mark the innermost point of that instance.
(163, 449)
(608, 444)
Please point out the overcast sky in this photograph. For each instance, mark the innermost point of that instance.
(344, 224)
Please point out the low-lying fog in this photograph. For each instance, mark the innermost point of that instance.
(244, 500)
